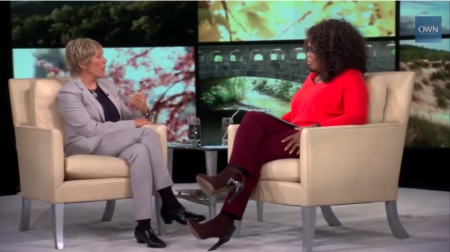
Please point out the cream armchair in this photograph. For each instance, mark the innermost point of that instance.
(46, 174)
(346, 164)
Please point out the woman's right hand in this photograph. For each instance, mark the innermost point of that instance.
(293, 141)
(141, 122)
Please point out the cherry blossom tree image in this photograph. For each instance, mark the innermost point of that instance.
(168, 77)
(166, 74)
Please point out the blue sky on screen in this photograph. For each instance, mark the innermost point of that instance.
(410, 9)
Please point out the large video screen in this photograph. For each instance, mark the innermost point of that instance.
(167, 74)
(229, 21)
(51, 24)
(410, 9)
(259, 77)
(429, 122)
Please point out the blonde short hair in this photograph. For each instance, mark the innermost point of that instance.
(79, 52)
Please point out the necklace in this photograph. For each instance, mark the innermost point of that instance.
(93, 92)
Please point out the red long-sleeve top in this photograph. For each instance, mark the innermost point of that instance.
(343, 101)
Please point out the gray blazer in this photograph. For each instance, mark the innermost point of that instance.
(84, 118)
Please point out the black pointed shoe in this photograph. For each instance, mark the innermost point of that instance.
(181, 216)
(148, 236)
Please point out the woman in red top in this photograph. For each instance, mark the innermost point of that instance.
(333, 94)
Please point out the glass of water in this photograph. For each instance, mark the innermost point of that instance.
(226, 121)
(194, 134)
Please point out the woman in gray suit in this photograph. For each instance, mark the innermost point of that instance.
(98, 122)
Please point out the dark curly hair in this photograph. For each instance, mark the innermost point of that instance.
(337, 46)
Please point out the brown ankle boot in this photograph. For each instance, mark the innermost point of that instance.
(221, 227)
(229, 177)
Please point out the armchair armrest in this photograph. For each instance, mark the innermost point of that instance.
(351, 164)
(232, 129)
(41, 161)
(161, 130)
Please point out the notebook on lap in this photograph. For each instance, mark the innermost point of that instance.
(237, 118)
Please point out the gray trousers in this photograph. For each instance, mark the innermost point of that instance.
(148, 171)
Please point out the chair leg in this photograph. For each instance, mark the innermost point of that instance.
(238, 224)
(394, 221)
(259, 211)
(58, 225)
(25, 216)
(159, 221)
(329, 216)
(309, 226)
(109, 210)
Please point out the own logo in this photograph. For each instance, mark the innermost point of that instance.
(427, 29)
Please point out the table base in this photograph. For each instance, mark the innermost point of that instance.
(199, 197)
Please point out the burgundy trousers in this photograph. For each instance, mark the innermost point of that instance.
(257, 141)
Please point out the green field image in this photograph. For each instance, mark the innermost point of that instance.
(251, 93)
